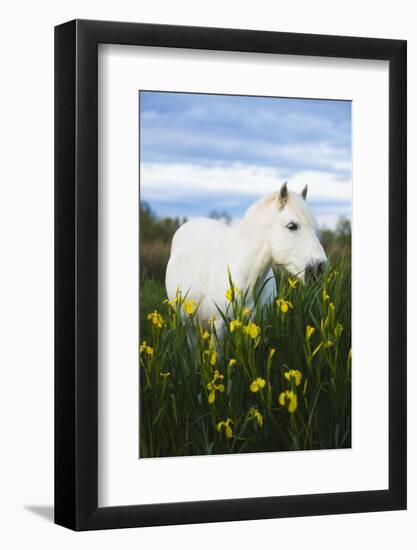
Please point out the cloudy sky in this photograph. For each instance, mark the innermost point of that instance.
(200, 153)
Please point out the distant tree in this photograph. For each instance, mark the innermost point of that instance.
(154, 228)
(337, 243)
(155, 242)
(221, 216)
(344, 229)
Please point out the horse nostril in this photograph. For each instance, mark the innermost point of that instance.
(315, 269)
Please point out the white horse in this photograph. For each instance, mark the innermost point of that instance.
(279, 229)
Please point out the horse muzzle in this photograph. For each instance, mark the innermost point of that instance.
(314, 270)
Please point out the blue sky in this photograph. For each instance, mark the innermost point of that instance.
(211, 152)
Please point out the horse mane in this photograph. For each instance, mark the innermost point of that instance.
(259, 206)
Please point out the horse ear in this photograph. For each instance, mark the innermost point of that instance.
(304, 192)
(283, 195)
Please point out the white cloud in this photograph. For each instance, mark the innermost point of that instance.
(171, 182)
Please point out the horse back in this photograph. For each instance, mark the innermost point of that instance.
(193, 253)
(204, 231)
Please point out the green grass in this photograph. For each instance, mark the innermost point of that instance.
(152, 295)
(195, 401)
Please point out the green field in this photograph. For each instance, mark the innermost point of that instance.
(280, 379)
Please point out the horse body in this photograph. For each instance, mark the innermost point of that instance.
(278, 229)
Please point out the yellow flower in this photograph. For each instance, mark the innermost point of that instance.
(144, 348)
(175, 300)
(226, 425)
(164, 375)
(156, 319)
(293, 375)
(252, 330)
(231, 292)
(171, 303)
(205, 335)
(293, 282)
(331, 306)
(257, 385)
(232, 362)
(326, 297)
(254, 413)
(289, 400)
(235, 324)
(247, 311)
(284, 305)
(190, 306)
(213, 387)
(309, 331)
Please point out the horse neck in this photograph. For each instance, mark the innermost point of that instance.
(255, 257)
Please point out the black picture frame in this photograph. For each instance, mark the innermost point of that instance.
(76, 272)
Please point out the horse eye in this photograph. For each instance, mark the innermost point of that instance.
(292, 226)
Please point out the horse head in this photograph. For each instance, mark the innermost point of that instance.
(293, 237)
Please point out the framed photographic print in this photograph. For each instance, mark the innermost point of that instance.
(230, 338)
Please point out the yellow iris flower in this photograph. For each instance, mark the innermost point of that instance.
(232, 362)
(164, 375)
(293, 376)
(190, 306)
(213, 387)
(144, 348)
(288, 399)
(254, 413)
(235, 324)
(252, 330)
(293, 282)
(284, 305)
(231, 293)
(257, 385)
(156, 319)
(225, 424)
